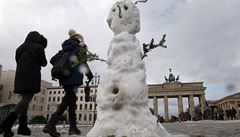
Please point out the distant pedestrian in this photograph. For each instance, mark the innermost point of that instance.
(30, 57)
(227, 112)
(75, 45)
(221, 113)
(181, 116)
(233, 113)
(215, 111)
(206, 114)
(198, 113)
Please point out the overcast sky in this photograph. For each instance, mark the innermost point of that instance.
(203, 36)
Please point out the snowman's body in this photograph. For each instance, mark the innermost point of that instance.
(122, 97)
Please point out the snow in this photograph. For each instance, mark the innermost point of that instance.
(205, 128)
(124, 16)
(122, 96)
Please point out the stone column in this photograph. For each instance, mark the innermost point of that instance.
(166, 108)
(191, 105)
(228, 105)
(203, 103)
(180, 104)
(155, 106)
(236, 107)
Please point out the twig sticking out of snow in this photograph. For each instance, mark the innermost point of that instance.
(120, 12)
(140, 1)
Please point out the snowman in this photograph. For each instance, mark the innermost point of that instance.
(122, 97)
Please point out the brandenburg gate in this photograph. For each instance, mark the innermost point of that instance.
(172, 88)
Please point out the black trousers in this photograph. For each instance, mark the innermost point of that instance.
(69, 101)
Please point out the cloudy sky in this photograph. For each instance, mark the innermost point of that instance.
(203, 37)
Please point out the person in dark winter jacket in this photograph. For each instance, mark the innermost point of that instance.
(233, 113)
(74, 45)
(30, 57)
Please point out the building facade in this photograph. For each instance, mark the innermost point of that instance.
(228, 102)
(8, 98)
(85, 111)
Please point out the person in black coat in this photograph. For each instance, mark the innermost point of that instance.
(233, 113)
(77, 48)
(30, 57)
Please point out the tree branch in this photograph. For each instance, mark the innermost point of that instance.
(140, 1)
(148, 47)
(93, 56)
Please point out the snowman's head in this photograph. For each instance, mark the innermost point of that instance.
(124, 16)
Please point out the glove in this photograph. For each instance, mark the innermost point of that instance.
(89, 75)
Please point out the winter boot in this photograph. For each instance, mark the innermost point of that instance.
(73, 130)
(51, 130)
(6, 125)
(50, 127)
(23, 126)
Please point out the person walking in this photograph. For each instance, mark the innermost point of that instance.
(215, 113)
(181, 116)
(75, 45)
(221, 114)
(233, 113)
(30, 57)
(227, 112)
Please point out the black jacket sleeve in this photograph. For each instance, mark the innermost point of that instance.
(18, 53)
(42, 57)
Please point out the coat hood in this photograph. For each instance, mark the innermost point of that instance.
(33, 36)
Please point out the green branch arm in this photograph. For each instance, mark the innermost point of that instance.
(93, 56)
(148, 47)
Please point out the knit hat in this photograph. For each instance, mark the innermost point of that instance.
(73, 34)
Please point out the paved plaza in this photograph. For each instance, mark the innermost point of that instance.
(205, 128)
(194, 129)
